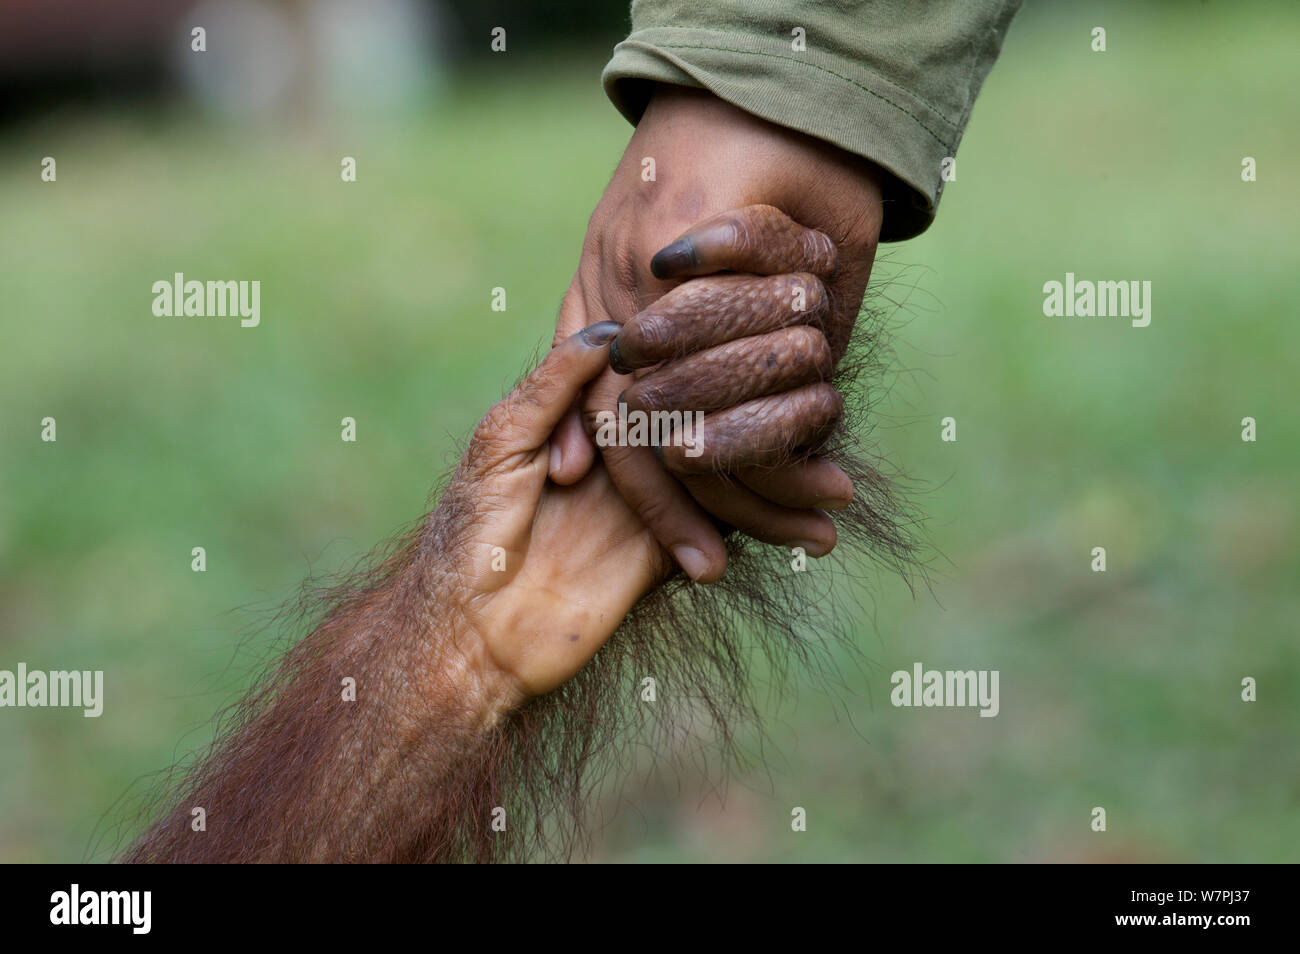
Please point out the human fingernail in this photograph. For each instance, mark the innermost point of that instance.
(557, 458)
(693, 561)
(598, 335)
(672, 258)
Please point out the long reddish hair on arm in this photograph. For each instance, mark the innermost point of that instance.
(297, 774)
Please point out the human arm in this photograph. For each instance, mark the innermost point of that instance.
(842, 116)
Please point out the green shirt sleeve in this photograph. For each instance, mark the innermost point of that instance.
(891, 80)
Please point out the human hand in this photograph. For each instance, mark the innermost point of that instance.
(710, 157)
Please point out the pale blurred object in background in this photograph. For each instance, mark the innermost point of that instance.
(273, 60)
(264, 60)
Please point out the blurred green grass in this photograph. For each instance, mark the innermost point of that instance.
(1118, 689)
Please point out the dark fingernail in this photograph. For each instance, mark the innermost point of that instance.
(616, 360)
(622, 398)
(598, 335)
(673, 258)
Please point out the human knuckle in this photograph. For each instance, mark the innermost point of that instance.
(624, 265)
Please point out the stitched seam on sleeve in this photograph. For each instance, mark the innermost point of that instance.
(866, 69)
(792, 59)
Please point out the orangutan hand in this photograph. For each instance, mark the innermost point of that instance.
(762, 341)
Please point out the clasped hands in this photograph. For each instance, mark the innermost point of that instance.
(729, 286)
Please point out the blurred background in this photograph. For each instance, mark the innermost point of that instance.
(1118, 689)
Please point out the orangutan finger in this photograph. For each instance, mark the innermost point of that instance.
(815, 483)
(759, 239)
(655, 495)
(749, 513)
(766, 432)
(732, 373)
(710, 311)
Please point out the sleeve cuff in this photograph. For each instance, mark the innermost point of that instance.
(813, 92)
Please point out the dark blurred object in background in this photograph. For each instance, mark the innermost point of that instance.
(55, 50)
(268, 58)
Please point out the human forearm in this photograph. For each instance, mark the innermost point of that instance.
(889, 80)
